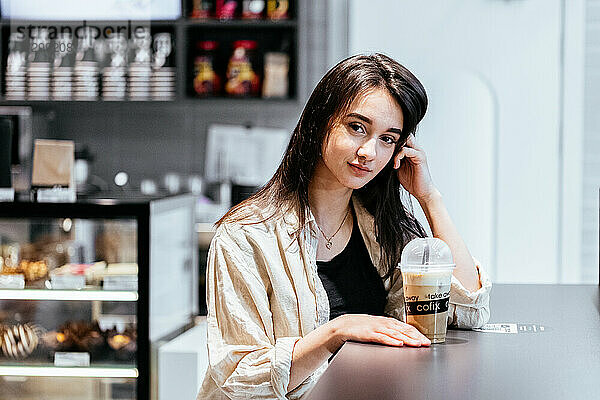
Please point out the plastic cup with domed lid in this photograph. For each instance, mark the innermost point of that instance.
(427, 266)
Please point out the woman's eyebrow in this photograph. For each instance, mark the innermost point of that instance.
(361, 117)
(370, 122)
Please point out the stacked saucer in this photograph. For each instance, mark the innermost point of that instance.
(62, 78)
(86, 80)
(15, 82)
(162, 83)
(16, 67)
(114, 83)
(139, 81)
(62, 74)
(38, 80)
(114, 75)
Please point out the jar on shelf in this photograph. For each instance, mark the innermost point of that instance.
(203, 9)
(278, 9)
(242, 79)
(206, 80)
(226, 9)
(253, 9)
(275, 78)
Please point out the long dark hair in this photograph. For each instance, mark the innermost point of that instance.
(287, 190)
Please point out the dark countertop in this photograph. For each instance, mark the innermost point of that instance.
(561, 362)
(117, 206)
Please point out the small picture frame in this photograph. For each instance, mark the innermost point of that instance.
(52, 176)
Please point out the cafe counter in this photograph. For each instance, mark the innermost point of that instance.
(547, 347)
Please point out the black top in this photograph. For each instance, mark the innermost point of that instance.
(352, 283)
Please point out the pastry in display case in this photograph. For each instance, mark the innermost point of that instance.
(18, 341)
(76, 316)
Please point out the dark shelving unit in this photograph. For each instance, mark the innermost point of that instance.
(271, 35)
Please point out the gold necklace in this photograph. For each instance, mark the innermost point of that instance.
(328, 239)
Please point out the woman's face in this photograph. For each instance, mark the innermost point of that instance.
(362, 140)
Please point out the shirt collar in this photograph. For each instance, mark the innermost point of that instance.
(292, 221)
(366, 224)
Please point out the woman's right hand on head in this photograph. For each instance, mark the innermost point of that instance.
(376, 329)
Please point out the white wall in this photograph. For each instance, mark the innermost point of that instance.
(493, 130)
(573, 264)
(589, 189)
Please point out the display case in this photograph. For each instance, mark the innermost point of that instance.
(85, 291)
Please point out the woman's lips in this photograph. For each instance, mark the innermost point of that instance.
(359, 171)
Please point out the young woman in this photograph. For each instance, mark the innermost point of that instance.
(309, 261)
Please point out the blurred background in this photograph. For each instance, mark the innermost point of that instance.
(176, 110)
(512, 131)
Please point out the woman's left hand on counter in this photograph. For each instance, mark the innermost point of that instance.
(413, 171)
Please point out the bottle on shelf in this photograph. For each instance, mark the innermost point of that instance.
(226, 9)
(278, 9)
(242, 77)
(253, 9)
(207, 81)
(275, 82)
(203, 9)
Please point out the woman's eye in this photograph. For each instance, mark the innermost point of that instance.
(357, 128)
(388, 140)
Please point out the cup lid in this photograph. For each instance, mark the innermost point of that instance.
(426, 253)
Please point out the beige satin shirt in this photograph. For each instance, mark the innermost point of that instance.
(263, 294)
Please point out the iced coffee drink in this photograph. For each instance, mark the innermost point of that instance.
(427, 273)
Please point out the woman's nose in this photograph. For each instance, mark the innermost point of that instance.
(367, 149)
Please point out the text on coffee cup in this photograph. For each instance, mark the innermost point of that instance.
(428, 296)
(427, 307)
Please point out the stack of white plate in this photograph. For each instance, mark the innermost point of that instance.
(139, 81)
(62, 78)
(15, 82)
(86, 80)
(114, 83)
(38, 81)
(162, 83)
(16, 67)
